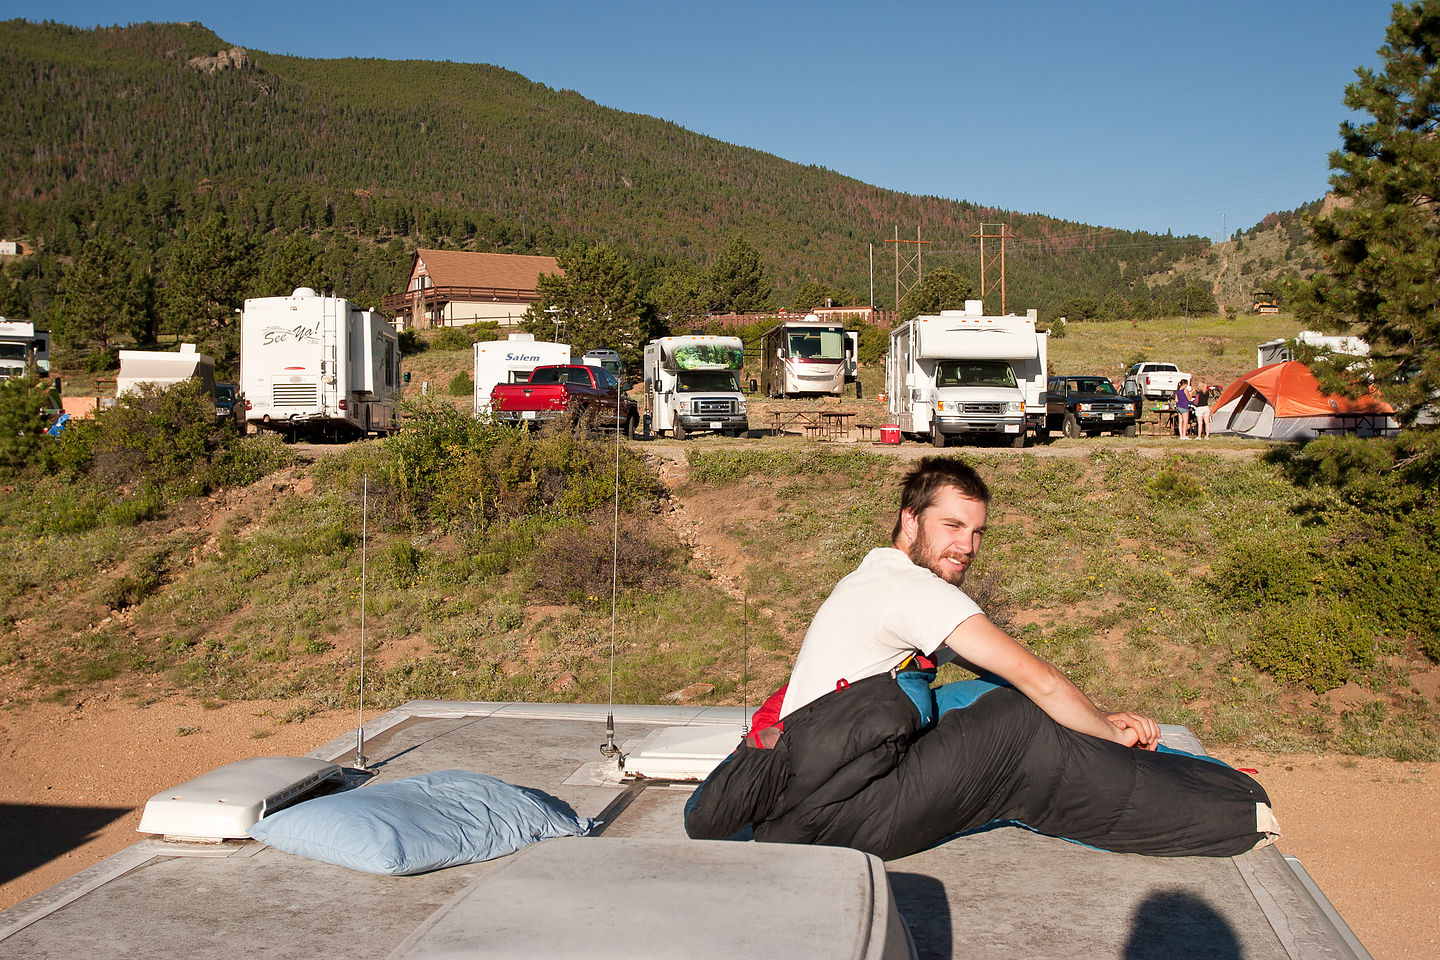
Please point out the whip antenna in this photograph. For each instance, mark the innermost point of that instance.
(744, 665)
(360, 762)
(608, 749)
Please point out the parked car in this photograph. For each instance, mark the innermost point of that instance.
(582, 393)
(228, 405)
(1089, 405)
(1153, 380)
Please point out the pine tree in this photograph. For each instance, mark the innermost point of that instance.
(1381, 240)
(940, 289)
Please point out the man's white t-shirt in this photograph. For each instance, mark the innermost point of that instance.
(886, 610)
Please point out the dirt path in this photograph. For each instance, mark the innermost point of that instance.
(1363, 828)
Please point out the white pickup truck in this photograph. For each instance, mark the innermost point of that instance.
(1153, 380)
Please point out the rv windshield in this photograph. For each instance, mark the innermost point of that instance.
(974, 373)
(693, 381)
(824, 344)
(13, 351)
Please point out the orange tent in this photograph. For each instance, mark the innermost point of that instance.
(1284, 401)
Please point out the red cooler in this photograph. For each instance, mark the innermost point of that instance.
(890, 433)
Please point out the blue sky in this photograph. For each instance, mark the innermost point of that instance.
(1142, 114)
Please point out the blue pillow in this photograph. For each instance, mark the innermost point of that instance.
(422, 823)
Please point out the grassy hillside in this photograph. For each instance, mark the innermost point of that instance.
(130, 134)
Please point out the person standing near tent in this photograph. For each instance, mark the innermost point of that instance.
(1183, 403)
(1202, 410)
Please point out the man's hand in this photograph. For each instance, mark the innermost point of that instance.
(1135, 730)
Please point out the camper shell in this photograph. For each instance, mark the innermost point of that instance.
(692, 384)
(804, 357)
(318, 363)
(164, 368)
(23, 350)
(510, 361)
(964, 373)
(638, 887)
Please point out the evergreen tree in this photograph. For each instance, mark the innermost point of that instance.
(205, 282)
(940, 289)
(738, 281)
(1381, 242)
(103, 297)
(597, 299)
(680, 299)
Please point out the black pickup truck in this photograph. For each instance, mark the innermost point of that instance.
(1089, 406)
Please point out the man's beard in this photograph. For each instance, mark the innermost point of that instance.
(922, 555)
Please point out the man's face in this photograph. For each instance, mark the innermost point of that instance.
(947, 535)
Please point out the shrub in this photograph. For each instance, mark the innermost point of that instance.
(461, 385)
(1173, 484)
(1321, 645)
(580, 561)
(22, 424)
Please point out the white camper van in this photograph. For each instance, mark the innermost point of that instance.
(963, 373)
(318, 363)
(510, 361)
(23, 349)
(692, 383)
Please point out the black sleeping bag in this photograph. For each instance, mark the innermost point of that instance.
(853, 769)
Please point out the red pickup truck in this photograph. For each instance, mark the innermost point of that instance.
(578, 392)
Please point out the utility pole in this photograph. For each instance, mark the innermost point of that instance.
(1002, 234)
(910, 265)
(872, 276)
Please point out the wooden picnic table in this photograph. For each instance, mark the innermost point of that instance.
(835, 424)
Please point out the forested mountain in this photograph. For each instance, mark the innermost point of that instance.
(137, 158)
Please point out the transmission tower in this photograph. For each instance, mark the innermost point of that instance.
(909, 267)
(1002, 234)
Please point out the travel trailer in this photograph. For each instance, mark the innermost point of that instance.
(319, 364)
(963, 373)
(692, 384)
(510, 361)
(804, 357)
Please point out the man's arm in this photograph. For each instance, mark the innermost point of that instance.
(979, 642)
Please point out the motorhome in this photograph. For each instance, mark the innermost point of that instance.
(609, 359)
(692, 384)
(962, 373)
(23, 349)
(1276, 351)
(317, 363)
(510, 361)
(804, 357)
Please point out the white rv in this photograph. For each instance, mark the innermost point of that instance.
(1274, 351)
(963, 373)
(692, 383)
(23, 349)
(804, 357)
(510, 361)
(311, 362)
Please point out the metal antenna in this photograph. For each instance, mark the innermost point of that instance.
(360, 762)
(744, 665)
(609, 749)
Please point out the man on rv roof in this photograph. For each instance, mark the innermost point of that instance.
(867, 755)
(905, 601)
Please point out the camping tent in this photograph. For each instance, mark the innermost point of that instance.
(1283, 401)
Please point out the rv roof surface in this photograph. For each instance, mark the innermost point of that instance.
(999, 893)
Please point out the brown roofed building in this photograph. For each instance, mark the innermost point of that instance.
(450, 288)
